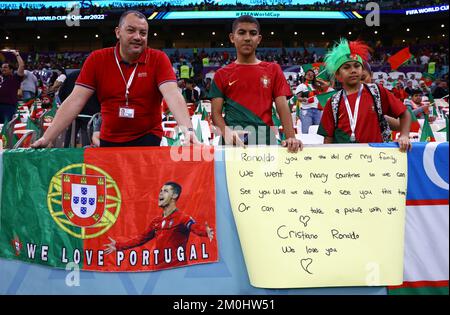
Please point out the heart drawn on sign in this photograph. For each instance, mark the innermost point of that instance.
(304, 219)
(305, 264)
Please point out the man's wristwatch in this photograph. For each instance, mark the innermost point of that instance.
(190, 129)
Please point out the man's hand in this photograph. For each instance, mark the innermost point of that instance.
(111, 247)
(293, 145)
(41, 143)
(189, 136)
(233, 137)
(404, 143)
(210, 232)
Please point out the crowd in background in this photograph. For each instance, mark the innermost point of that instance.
(47, 67)
(89, 7)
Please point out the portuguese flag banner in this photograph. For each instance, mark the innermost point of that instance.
(109, 209)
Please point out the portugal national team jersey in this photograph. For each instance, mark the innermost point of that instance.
(248, 92)
(367, 127)
(171, 232)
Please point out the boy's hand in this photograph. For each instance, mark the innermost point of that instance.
(404, 143)
(292, 144)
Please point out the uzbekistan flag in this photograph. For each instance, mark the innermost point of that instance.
(72, 205)
(426, 261)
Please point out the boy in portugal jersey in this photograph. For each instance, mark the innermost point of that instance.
(169, 231)
(356, 114)
(246, 89)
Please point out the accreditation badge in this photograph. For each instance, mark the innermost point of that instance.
(126, 112)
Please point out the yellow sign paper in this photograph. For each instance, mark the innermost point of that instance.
(326, 216)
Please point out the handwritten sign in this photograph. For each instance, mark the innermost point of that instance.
(326, 216)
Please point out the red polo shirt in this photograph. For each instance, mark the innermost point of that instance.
(101, 73)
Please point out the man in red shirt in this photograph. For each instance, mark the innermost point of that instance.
(130, 81)
(356, 113)
(247, 88)
(170, 231)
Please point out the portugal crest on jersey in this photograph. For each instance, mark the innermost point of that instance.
(265, 81)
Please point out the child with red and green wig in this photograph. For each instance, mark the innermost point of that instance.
(355, 114)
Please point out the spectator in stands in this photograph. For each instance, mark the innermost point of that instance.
(441, 90)
(92, 106)
(424, 88)
(61, 77)
(181, 84)
(339, 123)
(409, 87)
(399, 91)
(416, 105)
(190, 94)
(207, 87)
(415, 83)
(311, 111)
(247, 88)
(366, 73)
(424, 59)
(29, 85)
(9, 86)
(185, 71)
(401, 78)
(130, 80)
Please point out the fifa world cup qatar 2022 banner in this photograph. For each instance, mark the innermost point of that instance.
(134, 209)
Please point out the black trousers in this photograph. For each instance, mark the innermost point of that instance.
(80, 126)
(7, 112)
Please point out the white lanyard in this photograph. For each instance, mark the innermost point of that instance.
(353, 118)
(130, 80)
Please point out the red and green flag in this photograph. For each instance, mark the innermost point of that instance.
(415, 125)
(4, 134)
(276, 120)
(427, 134)
(400, 58)
(428, 78)
(74, 205)
(324, 97)
(198, 131)
(176, 141)
(318, 68)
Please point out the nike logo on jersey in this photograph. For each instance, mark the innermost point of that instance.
(231, 83)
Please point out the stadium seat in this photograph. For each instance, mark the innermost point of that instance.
(440, 136)
(10, 130)
(299, 127)
(191, 108)
(310, 139)
(206, 105)
(313, 129)
(169, 125)
(290, 73)
(394, 75)
(417, 75)
(210, 75)
(25, 138)
(380, 75)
